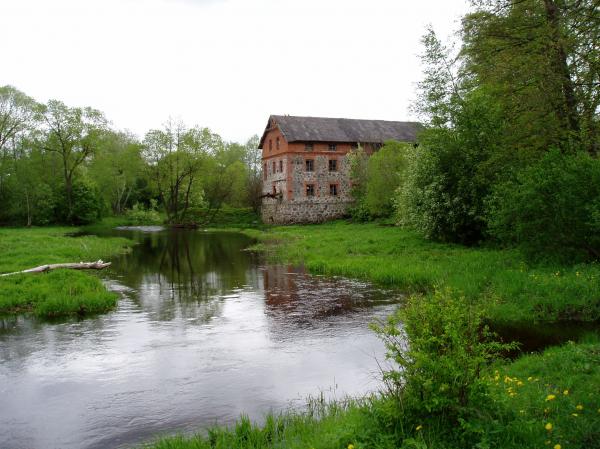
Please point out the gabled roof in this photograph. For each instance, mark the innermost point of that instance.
(341, 130)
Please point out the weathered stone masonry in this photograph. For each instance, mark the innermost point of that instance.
(306, 173)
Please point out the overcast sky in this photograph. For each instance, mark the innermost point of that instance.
(225, 64)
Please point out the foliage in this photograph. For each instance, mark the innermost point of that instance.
(72, 134)
(449, 175)
(541, 61)
(358, 161)
(52, 156)
(226, 216)
(118, 169)
(551, 208)
(440, 371)
(139, 215)
(384, 174)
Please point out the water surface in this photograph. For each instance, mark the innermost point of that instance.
(203, 333)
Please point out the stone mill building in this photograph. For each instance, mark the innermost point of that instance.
(306, 175)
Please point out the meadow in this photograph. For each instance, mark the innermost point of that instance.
(60, 292)
(513, 290)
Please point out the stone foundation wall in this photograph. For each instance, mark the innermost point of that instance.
(298, 211)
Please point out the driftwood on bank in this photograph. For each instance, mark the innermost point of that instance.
(98, 265)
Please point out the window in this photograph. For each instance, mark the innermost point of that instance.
(270, 145)
(333, 189)
(277, 143)
(332, 147)
(310, 165)
(332, 164)
(308, 147)
(310, 190)
(265, 171)
(281, 166)
(274, 167)
(355, 146)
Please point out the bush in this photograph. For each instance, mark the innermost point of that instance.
(551, 209)
(139, 215)
(449, 176)
(441, 347)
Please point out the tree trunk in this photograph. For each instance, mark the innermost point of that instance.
(568, 110)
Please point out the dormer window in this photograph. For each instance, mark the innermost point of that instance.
(270, 145)
(277, 143)
(332, 147)
(308, 147)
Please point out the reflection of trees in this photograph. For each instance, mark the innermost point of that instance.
(181, 271)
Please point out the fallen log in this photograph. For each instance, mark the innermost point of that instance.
(98, 265)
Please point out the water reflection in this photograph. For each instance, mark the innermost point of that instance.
(203, 333)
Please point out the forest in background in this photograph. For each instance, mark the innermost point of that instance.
(67, 165)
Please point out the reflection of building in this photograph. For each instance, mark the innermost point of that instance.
(293, 293)
(305, 168)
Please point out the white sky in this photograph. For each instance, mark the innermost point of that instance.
(225, 64)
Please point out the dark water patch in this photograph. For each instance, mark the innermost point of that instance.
(535, 337)
(204, 332)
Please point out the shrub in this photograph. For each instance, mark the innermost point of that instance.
(139, 215)
(441, 346)
(551, 209)
(449, 176)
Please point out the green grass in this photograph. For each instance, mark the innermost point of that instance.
(513, 290)
(333, 425)
(560, 387)
(503, 421)
(60, 292)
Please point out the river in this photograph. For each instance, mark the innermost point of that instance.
(204, 332)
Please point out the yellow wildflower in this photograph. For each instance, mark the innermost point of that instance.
(546, 410)
(529, 378)
(557, 446)
(575, 415)
(519, 384)
(579, 407)
(550, 397)
(566, 392)
(548, 426)
(419, 427)
(351, 446)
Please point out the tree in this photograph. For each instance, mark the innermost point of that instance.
(384, 175)
(73, 134)
(18, 114)
(116, 168)
(176, 157)
(541, 61)
(449, 176)
(253, 160)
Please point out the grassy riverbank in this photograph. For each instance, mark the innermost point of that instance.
(558, 387)
(61, 292)
(512, 290)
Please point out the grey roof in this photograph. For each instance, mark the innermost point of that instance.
(321, 129)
